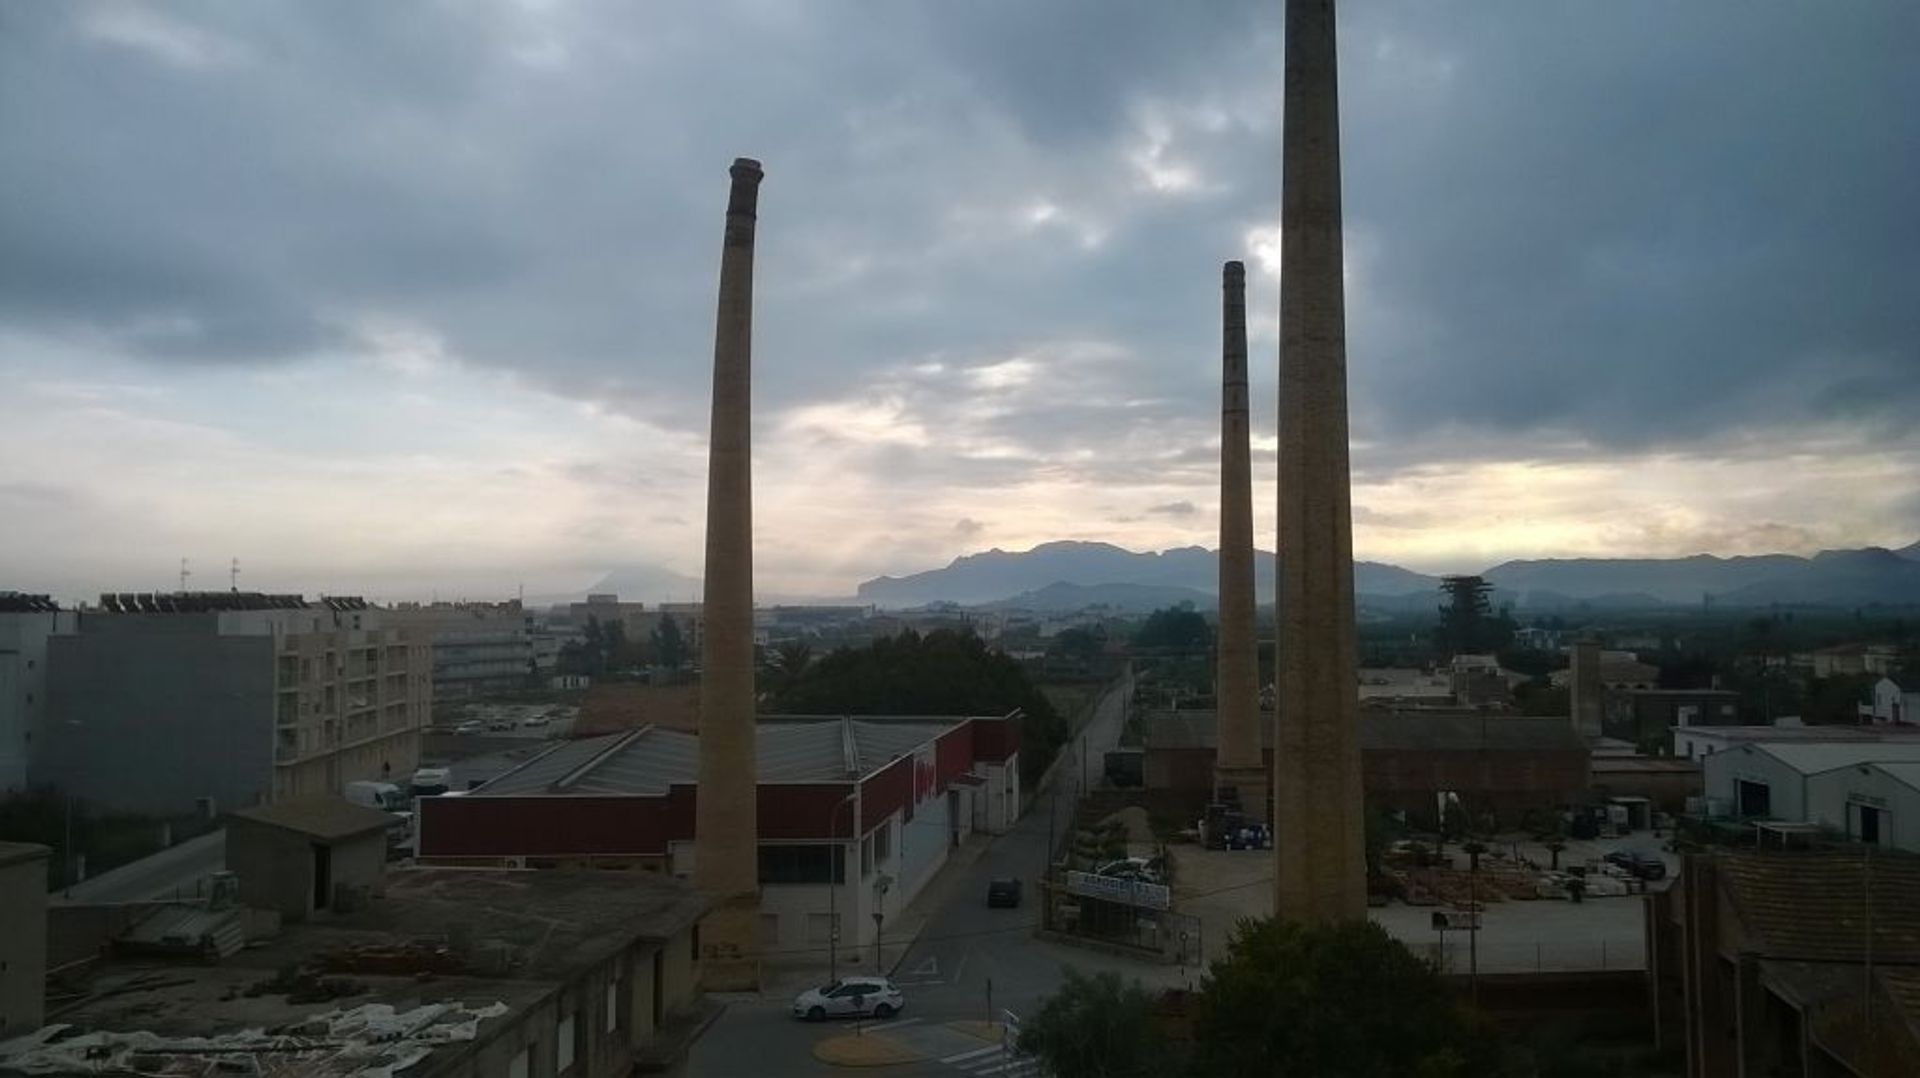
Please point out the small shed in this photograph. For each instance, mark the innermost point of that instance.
(308, 855)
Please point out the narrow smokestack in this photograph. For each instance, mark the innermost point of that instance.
(1586, 689)
(1238, 766)
(1320, 863)
(726, 830)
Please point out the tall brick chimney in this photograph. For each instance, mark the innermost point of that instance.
(726, 829)
(1238, 764)
(1320, 863)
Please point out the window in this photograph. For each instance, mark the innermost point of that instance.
(803, 864)
(883, 843)
(563, 1046)
(866, 857)
(518, 1066)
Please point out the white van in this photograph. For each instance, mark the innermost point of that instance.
(381, 795)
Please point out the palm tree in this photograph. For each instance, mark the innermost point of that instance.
(788, 660)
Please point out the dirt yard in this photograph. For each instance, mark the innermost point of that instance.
(1223, 886)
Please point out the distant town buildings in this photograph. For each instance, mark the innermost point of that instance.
(1505, 766)
(477, 647)
(1647, 717)
(209, 701)
(1845, 659)
(637, 622)
(1896, 700)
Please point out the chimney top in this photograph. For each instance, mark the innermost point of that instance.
(746, 165)
(1234, 271)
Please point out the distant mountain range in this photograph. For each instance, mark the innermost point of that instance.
(1069, 575)
(1182, 574)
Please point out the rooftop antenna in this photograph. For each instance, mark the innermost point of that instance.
(233, 576)
(184, 574)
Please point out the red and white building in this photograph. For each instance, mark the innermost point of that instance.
(855, 814)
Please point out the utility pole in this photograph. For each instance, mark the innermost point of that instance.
(184, 574)
(233, 576)
(1473, 928)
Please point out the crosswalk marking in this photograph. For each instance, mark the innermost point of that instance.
(977, 1052)
(994, 1061)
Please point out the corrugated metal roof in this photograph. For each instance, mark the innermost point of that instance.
(1811, 758)
(1907, 772)
(649, 760)
(879, 743)
(550, 766)
(650, 764)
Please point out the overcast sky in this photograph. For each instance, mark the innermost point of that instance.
(418, 298)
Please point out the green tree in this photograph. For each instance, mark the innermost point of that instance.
(946, 672)
(1175, 628)
(1334, 1001)
(1467, 622)
(1099, 1027)
(669, 648)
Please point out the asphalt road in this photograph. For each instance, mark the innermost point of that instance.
(965, 951)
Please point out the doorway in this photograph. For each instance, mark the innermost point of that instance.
(659, 988)
(1868, 823)
(1755, 798)
(322, 876)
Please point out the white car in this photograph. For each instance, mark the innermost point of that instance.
(471, 726)
(850, 995)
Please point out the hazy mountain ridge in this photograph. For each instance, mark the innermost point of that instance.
(996, 576)
(1049, 574)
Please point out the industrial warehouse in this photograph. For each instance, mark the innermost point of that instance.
(855, 815)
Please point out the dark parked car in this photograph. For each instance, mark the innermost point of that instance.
(1003, 892)
(1639, 863)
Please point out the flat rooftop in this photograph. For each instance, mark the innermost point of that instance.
(492, 941)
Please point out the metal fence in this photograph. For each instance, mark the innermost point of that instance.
(1457, 955)
(1162, 935)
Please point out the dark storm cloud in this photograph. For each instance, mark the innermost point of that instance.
(1628, 224)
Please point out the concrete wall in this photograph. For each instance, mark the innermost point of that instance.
(1831, 792)
(275, 866)
(923, 843)
(23, 688)
(148, 714)
(76, 932)
(23, 943)
(681, 978)
(1724, 771)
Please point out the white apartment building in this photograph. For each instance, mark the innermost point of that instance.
(26, 621)
(209, 701)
